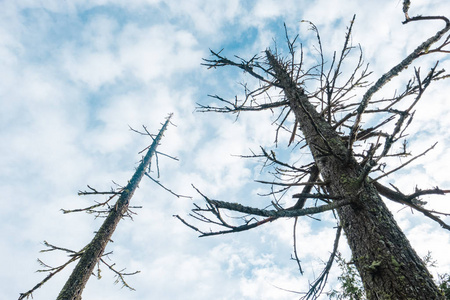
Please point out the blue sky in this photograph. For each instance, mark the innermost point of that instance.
(76, 74)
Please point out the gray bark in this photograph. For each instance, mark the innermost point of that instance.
(388, 265)
(74, 286)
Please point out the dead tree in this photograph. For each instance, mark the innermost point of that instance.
(90, 256)
(348, 161)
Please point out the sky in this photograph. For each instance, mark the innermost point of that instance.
(76, 75)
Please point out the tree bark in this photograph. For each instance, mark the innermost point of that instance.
(74, 286)
(388, 265)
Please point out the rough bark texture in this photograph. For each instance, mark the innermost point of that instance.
(388, 265)
(74, 286)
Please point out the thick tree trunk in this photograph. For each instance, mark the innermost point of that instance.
(74, 286)
(388, 265)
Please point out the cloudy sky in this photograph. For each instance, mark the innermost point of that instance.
(76, 74)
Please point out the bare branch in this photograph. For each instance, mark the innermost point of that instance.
(291, 184)
(247, 66)
(420, 50)
(404, 164)
(318, 285)
(170, 191)
(411, 201)
(236, 107)
(294, 238)
(53, 271)
(278, 213)
(120, 274)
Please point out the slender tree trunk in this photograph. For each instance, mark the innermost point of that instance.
(388, 265)
(93, 251)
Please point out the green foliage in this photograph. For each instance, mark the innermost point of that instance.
(428, 261)
(351, 285)
(352, 289)
(443, 281)
(444, 284)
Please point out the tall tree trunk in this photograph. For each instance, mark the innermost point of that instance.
(93, 251)
(388, 265)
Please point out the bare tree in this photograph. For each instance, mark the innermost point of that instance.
(348, 160)
(91, 255)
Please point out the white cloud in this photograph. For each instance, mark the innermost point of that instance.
(207, 17)
(268, 9)
(75, 75)
(93, 69)
(425, 237)
(109, 54)
(158, 52)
